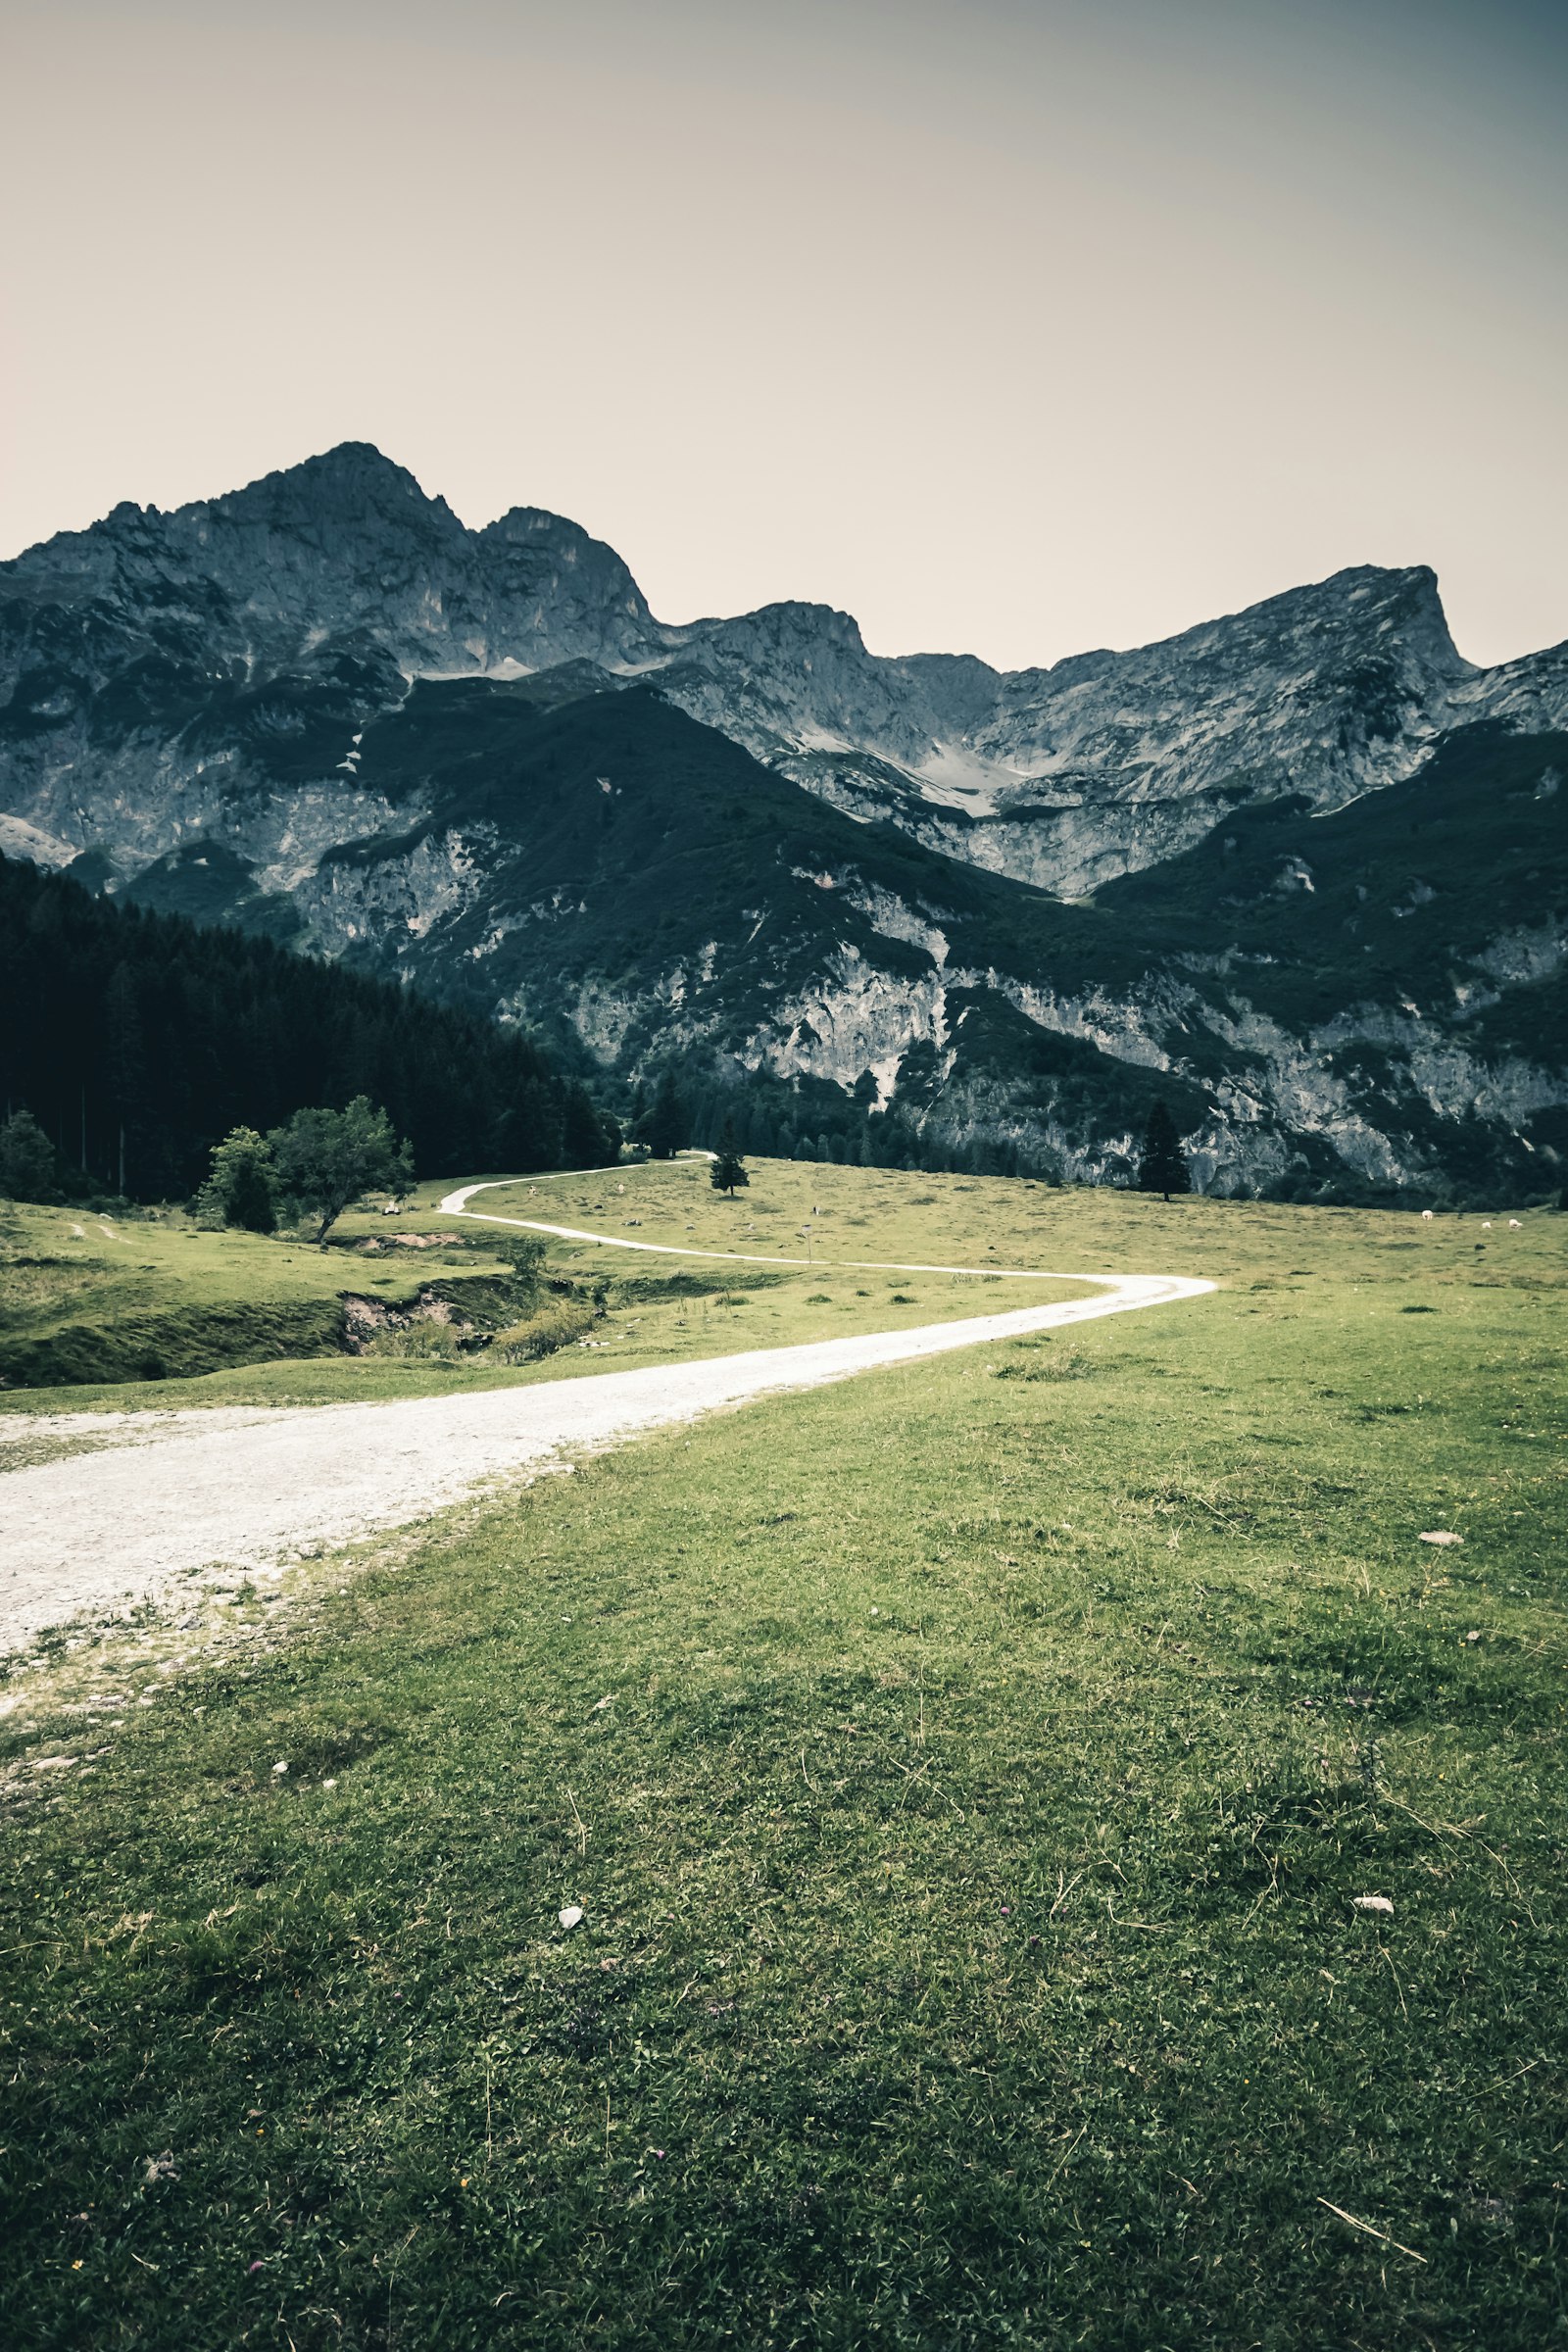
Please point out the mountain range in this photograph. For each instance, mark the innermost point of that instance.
(1300, 870)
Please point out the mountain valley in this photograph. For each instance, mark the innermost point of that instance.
(1299, 872)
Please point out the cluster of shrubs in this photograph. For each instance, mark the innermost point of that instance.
(545, 1317)
(557, 1323)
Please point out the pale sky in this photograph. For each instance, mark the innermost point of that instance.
(1013, 327)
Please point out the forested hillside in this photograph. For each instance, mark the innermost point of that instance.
(136, 1040)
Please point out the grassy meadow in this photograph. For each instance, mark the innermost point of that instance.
(120, 1300)
(93, 1304)
(966, 1776)
(259, 1320)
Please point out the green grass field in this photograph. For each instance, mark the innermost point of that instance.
(110, 1302)
(966, 1775)
(258, 1322)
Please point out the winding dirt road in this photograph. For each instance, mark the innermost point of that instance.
(166, 1496)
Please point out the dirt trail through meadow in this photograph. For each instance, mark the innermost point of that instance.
(165, 1494)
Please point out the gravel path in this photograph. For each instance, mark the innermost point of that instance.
(166, 1494)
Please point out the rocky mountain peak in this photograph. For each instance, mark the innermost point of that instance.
(555, 593)
(345, 493)
(1060, 775)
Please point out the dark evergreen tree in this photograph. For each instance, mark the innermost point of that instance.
(665, 1128)
(27, 1166)
(124, 1061)
(728, 1169)
(583, 1142)
(1162, 1168)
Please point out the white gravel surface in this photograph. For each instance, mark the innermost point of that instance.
(249, 1488)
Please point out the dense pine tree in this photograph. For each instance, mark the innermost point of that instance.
(138, 1041)
(666, 1126)
(583, 1135)
(27, 1166)
(728, 1169)
(1162, 1168)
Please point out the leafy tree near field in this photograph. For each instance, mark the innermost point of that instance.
(27, 1169)
(326, 1158)
(1162, 1168)
(242, 1189)
(728, 1170)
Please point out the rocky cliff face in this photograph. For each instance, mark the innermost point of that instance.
(323, 706)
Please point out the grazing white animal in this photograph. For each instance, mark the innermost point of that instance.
(1513, 1225)
(1426, 1216)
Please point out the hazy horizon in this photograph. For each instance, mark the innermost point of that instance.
(1014, 331)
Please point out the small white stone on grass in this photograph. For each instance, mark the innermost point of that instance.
(278, 1767)
(1371, 1902)
(599, 1704)
(1440, 1535)
(570, 1915)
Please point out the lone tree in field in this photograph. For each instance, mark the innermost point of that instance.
(242, 1189)
(326, 1158)
(728, 1169)
(1162, 1169)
